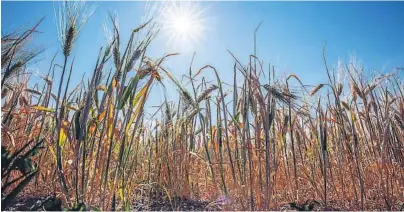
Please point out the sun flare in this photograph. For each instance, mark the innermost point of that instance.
(182, 24)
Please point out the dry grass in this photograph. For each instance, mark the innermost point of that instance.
(259, 146)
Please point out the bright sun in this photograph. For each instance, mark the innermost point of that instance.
(182, 24)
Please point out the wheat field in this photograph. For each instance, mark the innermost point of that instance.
(254, 145)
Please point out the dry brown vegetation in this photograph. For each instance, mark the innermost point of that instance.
(253, 148)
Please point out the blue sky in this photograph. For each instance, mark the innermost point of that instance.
(291, 36)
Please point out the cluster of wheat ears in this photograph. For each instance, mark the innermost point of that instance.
(255, 144)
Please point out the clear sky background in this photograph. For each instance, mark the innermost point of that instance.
(291, 36)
